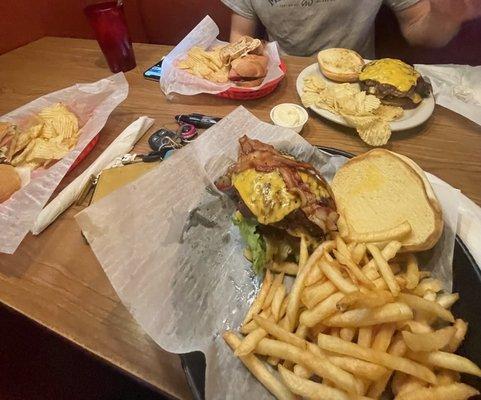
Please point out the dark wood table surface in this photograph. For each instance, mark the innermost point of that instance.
(54, 278)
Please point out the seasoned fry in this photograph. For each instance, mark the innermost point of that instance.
(383, 337)
(410, 383)
(347, 334)
(277, 302)
(388, 253)
(289, 268)
(321, 366)
(385, 270)
(398, 232)
(310, 389)
(336, 277)
(364, 336)
(298, 286)
(256, 306)
(360, 368)
(252, 325)
(429, 341)
(461, 328)
(315, 275)
(365, 300)
(358, 252)
(352, 267)
(428, 285)
(447, 299)
(420, 304)
(249, 343)
(446, 377)
(311, 296)
(391, 312)
(278, 280)
(276, 331)
(445, 360)
(398, 348)
(455, 391)
(412, 271)
(415, 326)
(259, 370)
(303, 253)
(405, 365)
(323, 310)
(302, 371)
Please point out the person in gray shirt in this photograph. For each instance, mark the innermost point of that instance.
(303, 27)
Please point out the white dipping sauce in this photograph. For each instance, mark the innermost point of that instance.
(287, 115)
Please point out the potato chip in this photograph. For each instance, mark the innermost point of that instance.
(205, 64)
(360, 110)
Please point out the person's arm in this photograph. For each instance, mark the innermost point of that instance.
(241, 26)
(433, 23)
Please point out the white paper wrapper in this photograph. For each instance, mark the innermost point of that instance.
(175, 258)
(92, 103)
(457, 87)
(205, 35)
(120, 146)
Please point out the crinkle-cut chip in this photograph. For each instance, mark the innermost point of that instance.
(46, 150)
(367, 103)
(309, 99)
(389, 113)
(20, 159)
(27, 135)
(373, 130)
(59, 121)
(314, 82)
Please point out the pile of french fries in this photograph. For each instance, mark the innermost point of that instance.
(357, 318)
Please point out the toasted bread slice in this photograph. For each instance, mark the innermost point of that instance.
(340, 65)
(380, 190)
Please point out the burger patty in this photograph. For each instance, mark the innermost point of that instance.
(390, 95)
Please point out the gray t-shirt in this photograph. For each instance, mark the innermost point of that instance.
(303, 27)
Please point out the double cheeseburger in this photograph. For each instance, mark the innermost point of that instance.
(394, 82)
(278, 199)
(248, 64)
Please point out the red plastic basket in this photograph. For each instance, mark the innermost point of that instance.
(236, 93)
(85, 152)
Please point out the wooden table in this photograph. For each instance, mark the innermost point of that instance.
(55, 279)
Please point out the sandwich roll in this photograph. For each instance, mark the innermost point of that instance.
(9, 182)
(380, 191)
(340, 65)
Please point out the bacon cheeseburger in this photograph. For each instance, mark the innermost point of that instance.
(278, 199)
(394, 82)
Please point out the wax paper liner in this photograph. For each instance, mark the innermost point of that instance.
(167, 244)
(92, 103)
(457, 87)
(204, 35)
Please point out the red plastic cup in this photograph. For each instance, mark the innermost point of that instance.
(112, 34)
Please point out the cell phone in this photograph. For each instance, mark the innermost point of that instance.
(155, 71)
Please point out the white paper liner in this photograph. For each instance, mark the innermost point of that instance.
(92, 103)
(120, 146)
(204, 35)
(457, 87)
(184, 278)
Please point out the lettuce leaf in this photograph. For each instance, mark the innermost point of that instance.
(254, 240)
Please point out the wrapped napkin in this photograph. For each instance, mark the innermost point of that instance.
(120, 146)
(176, 260)
(204, 35)
(457, 87)
(92, 103)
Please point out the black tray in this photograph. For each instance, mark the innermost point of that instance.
(466, 281)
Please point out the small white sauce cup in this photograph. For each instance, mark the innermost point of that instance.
(302, 112)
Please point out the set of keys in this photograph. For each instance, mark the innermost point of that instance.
(164, 141)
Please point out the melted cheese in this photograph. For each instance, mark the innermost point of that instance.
(392, 72)
(266, 194)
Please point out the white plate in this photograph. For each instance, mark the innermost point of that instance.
(409, 119)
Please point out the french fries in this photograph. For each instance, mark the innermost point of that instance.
(259, 370)
(355, 316)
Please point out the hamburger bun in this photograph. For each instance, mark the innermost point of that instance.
(340, 65)
(380, 190)
(248, 71)
(9, 182)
